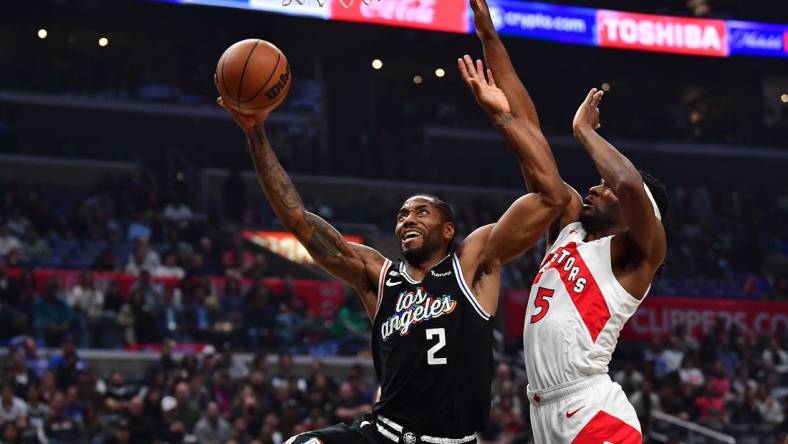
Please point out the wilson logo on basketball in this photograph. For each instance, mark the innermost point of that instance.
(279, 85)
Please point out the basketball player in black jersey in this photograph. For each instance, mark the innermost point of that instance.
(431, 312)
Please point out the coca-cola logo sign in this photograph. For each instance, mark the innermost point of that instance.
(438, 15)
(418, 11)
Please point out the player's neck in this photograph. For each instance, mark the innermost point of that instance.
(604, 232)
(418, 271)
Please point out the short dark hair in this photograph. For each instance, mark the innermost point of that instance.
(660, 194)
(445, 209)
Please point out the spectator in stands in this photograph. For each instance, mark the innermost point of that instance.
(645, 401)
(712, 411)
(351, 323)
(349, 405)
(171, 429)
(170, 268)
(141, 427)
(211, 259)
(689, 373)
(52, 317)
(35, 248)
(775, 357)
(768, 407)
(18, 225)
(149, 291)
(87, 304)
(259, 268)
(236, 257)
(37, 410)
(187, 411)
(178, 213)
(629, 378)
(8, 241)
(139, 228)
(12, 409)
(259, 318)
(62, 427)
(212, 428)
(669, 360)
(33, 360)
(143, 258)
(118, 393)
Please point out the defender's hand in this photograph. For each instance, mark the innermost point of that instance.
(489, 96)
(482, 20)
(247, 122)
(587, 116)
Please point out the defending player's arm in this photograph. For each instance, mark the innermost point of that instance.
(487, 248)
(523, 108)
(644, 229)
(356, 264)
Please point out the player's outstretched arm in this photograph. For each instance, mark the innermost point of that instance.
(497, 58)
(525, 140)
(529, 217)
(356, 264)
(624, 179)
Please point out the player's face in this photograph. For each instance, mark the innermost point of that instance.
(419, 228)
(600, 208)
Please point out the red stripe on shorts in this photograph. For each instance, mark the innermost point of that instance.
(607, 428)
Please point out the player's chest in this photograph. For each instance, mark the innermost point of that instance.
(413, 309)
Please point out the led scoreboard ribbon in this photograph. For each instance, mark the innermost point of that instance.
(562, 24)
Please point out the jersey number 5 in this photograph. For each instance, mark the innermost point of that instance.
(541, 303)
(441, 334)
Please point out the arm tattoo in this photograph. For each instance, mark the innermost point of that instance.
(503, 121)
(275, 181)
(324, 243)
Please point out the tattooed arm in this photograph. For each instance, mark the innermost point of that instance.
(355, 264)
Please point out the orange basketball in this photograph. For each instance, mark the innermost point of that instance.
(253, 75)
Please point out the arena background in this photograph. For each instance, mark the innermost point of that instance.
(150, 295)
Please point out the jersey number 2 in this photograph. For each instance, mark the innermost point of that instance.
(541, 303)
(441, 334)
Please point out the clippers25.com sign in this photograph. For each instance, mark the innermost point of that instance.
(661, 33)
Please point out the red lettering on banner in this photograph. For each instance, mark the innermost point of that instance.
(581, 286)
(662, 33)
(659, 316)
(436, 15)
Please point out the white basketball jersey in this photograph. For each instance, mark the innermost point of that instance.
(575, 311)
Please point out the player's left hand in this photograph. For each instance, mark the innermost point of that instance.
(587, 116)
(489, 96)
(482, 20)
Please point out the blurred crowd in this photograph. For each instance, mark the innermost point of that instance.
(212, 397)
(731, 381)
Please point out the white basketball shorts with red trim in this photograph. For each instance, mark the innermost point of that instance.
(594, 410)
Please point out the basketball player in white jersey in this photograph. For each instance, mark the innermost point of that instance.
(602, 255)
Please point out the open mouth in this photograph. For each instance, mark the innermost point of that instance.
(410, 234)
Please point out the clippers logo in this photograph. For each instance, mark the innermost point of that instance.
(415, 307)
(279, 85)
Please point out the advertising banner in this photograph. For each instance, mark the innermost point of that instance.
(435, 15)
(677, 35)
(758, 39)
(542, 21)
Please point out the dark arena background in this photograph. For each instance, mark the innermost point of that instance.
(148, 293)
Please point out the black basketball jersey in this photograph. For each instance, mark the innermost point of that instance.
(432, 347)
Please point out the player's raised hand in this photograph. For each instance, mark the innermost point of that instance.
(482, 20)
(587, 116)
(489, 96)
(247, 122)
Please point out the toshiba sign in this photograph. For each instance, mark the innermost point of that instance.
(662, 33)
